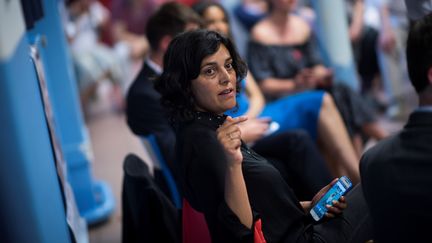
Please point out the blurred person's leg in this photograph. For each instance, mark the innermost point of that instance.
(394, 74)
(333, 138)
(297, 158)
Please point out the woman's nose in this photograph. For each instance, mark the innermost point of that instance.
(224, 77)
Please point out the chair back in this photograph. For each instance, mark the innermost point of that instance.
(148, 215)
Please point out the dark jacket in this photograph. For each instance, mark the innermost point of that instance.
(397, 182)
(145, 114)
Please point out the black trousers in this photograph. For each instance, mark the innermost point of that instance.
(297, 158)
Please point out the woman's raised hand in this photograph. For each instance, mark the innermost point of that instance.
(229, 135)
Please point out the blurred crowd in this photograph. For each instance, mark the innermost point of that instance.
(108, 44)
(310, 126)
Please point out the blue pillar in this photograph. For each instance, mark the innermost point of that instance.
(333, 36)
(31, 205)
(94, 198)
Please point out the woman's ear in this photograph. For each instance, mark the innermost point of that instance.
(164, 43)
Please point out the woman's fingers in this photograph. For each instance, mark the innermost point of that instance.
(229, 128)
(233, 121)
(341, 203)
(337, 208)
(333, 210)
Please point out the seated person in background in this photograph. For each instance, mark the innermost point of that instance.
(129, 24)
(93, 61)
(391, 55)
(314, 111)
(296, 157)
(144, 112)
(231, 184)
(283, 59)
(396, 173)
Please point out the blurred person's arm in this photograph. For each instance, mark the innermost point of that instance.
(356, 26)
(99, 14)
(387, 38)
(256, 98)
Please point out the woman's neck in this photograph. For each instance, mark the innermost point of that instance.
(281, 21)
(280, 17)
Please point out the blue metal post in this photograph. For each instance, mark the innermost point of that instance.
(94, 198)
(333, 35)
(31, 205)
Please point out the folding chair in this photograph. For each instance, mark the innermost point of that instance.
(148, 215)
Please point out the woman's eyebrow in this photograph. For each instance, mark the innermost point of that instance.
(208, 64)
(215, 63)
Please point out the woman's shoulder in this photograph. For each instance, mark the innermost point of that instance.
(196, 131)
(265, 32)
(303, 29)
(262, 30)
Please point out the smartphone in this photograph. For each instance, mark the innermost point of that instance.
(342, 186)
(273, 127)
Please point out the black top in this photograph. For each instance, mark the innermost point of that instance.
(397, 182)
(145, 114)
(281, 61)
(202, 161)
(286, 61)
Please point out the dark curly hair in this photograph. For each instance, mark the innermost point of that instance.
(419, 52)
(182, 63)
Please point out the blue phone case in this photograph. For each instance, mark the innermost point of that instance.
(339, 189)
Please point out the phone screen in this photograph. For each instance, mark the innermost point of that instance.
(336, 191)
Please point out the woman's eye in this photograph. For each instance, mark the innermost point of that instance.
(209, 71)
(228, 66)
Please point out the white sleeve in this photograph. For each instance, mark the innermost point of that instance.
(99, 14)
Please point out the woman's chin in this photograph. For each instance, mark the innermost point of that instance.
(231, 106)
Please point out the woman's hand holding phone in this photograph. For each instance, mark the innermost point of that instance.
(337, 207)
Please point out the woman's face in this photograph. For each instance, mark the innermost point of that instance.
(215, 88)
(216, 20)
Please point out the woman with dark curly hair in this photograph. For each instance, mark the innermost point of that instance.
(238, 190)
(313, 112)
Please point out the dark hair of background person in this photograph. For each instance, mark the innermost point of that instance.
(201, 7)
(419, 52)
(170, 19)
(182, 64)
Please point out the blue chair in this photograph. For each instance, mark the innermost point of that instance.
(158, 160)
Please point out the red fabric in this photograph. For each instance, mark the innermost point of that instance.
(195, 228)
(188, 2)
(258, 234)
